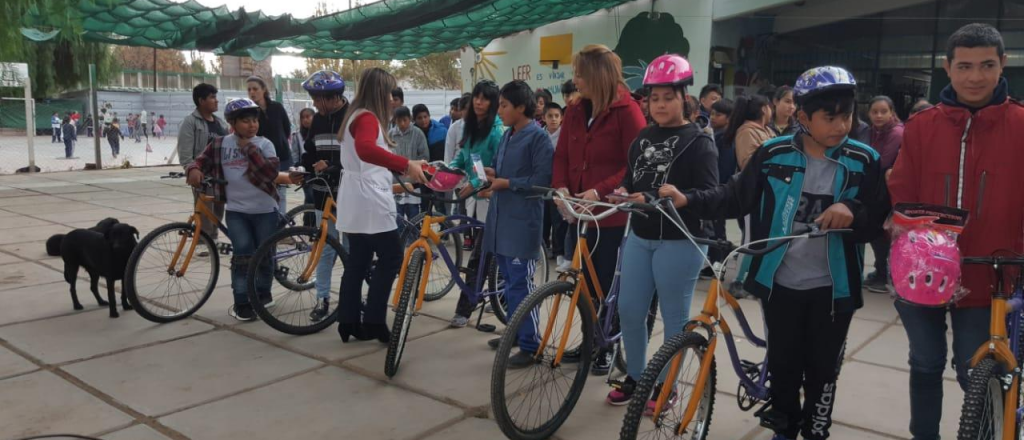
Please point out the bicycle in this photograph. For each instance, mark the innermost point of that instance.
(294, 254)
(696, 406)
(172, 249)
(419, 258)
(992, 407)
(556, 352)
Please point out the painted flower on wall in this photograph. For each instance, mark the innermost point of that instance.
(644, 38)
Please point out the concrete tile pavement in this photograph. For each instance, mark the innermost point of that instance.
(207, 378)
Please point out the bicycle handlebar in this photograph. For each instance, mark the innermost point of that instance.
(612, 208)
(994, 261)
(207, 180)
(435, 196)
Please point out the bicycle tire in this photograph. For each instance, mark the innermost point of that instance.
(130, 284)
(436, 292)
(404, 312)
(645, 387)
(981, 417)
(500, 396)
(303, 209)
(274, 317)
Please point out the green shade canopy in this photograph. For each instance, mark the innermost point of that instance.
(388, 29)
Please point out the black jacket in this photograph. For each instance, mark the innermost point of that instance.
(682, 156)
(322, 144)
(275, 126)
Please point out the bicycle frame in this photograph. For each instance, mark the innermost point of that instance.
(710, 318)
(1002, 351)
(196, 219)
(318, 248)
(426, 233)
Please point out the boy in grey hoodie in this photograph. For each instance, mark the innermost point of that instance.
(411, 144)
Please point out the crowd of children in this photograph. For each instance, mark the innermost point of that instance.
(776, 163)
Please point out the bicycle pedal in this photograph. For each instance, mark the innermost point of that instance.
(225, 249)
(486, 328)
(771, 418)
(614, 383)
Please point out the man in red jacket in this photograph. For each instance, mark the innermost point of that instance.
(966, 152)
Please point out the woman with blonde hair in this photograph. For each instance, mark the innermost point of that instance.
(590, 158)
(370, 224)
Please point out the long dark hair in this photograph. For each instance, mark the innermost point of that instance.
(747, 108)
(477, 130)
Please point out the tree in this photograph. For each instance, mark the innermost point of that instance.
(141, 58)
(298, 73)
(435, 71)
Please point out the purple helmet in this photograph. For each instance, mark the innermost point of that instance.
(324, 82)
(820, 79)
(240, 107)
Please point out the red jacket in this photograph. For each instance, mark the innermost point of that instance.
(989, 183)
(595, 158)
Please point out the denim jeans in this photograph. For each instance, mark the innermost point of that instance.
(247, 232)
(518, 275)
(667, 266)
(282, 199)
(325, 266)
(407, 210)
(926, 330)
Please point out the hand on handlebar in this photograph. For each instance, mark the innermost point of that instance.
(670, 191)
(465, 191)
(621, 195)
(297, 177)
(195, 178)
(414, 171)
(320, 166)
(837, 216)
(589, 195)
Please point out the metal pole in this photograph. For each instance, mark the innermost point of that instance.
(154, 69)
(30, 125)
(97, 125)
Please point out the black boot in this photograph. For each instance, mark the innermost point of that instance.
(346, 330)
(379, 332)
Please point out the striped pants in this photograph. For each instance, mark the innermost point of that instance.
(518, 274)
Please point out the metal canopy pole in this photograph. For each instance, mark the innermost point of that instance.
(30, 124)
(96, 124)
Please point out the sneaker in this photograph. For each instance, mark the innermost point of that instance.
(559, 262)
(520, 360)
(494, 343)
(268, 301)
(671, 402)
(242, 312)
(621, 393)
(458, 321)
(737, 291)
(875, 283)
(602, 363)
(467, 244)
(564, 265)
(706, 273)
(320, 310)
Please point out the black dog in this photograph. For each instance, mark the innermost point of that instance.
(102, 255)
(53, 243)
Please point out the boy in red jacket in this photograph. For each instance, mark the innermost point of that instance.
(966, 152)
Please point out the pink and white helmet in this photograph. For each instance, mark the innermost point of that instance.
(443, 178)
(668, 70)
(925, 267)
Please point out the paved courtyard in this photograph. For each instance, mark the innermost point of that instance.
(207, 377)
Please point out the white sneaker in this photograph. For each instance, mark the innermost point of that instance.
(563, 264)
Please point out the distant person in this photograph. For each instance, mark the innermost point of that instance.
(920, 106)
(70, 136)
(107, 117)
(143, 119)
(411, 144)
(569, 93)
(55, 127)
(88, 125)
(543, 98)
(886, 137)
(454, 138)
(275, 126)
(397, 100)
(298, 141)
(161, 124)
(114, 137)
(709, 95)
(453, 114)
(435, 134)
(784, 108)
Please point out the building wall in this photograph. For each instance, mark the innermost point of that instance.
(518, 56)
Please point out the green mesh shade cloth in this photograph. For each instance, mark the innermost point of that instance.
(388, 29)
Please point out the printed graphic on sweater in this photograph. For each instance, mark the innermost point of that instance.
(655, 161)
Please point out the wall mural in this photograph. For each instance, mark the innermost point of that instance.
(644, 38)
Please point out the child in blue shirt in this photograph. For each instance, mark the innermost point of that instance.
(513, 232)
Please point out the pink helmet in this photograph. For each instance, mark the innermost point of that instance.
(668, 70)
(925, 266)
(443, 178)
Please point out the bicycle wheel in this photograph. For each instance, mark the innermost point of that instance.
(286, 254)
(440, 280)
(532, 402)
(404, 312)
(689, 348)
(982, 415)
(302, 215)
(158, 292)
(498, 302)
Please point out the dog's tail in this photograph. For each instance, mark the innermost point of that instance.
(53, 245)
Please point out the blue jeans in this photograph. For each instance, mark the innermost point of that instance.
(671, 268)
(282, 199)
(518, 275)
(247, 232)
(325, 266)
(926, 330)
(409, 211)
